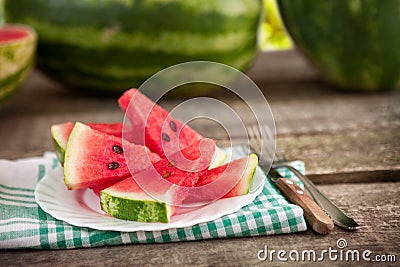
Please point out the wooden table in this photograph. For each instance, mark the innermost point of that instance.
(350, 143)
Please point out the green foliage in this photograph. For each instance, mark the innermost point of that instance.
(273, 33)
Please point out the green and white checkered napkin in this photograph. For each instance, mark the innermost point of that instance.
(23, 224)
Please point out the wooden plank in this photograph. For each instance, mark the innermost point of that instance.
(375, 206)
(349, 155)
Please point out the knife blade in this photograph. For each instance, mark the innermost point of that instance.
(314, 215)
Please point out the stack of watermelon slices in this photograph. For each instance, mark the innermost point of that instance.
(111, 161)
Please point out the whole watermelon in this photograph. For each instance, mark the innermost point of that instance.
(355, 44)
(112, 45)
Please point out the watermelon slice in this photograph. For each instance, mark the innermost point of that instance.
(166, 187)
(60, 134)
(127, 200)
(93, 158)
(244, 167)
(148, 118)
(17, 55)
(154, 127)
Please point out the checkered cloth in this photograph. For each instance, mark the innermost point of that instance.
(23, 224)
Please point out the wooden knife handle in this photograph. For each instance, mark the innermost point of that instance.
(314, 215)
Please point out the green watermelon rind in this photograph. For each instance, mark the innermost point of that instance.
(10, 85)
(68, 175)
(244, 185)
(144, 210)
(219, 159)
(59, 150)
(59, 142)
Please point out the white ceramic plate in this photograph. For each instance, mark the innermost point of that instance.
(82, 207)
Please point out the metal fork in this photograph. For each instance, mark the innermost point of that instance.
(338, 216)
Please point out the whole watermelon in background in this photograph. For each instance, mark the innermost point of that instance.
(354, 44)
(113, 45)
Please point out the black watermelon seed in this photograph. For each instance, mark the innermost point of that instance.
(172, 125)
(166, 175)
(113, 165)
(117, 149)
(165, 137)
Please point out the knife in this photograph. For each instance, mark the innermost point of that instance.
(319, 221)
(337, 215)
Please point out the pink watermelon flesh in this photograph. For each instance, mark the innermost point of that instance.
(229, 180)
(173, 175)
(108, 128)
(60, 133)
(63, 130)
(147, 120)
(10, 33)
(161, 177)
(192, 153)
(93, 158)
(103, 185)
